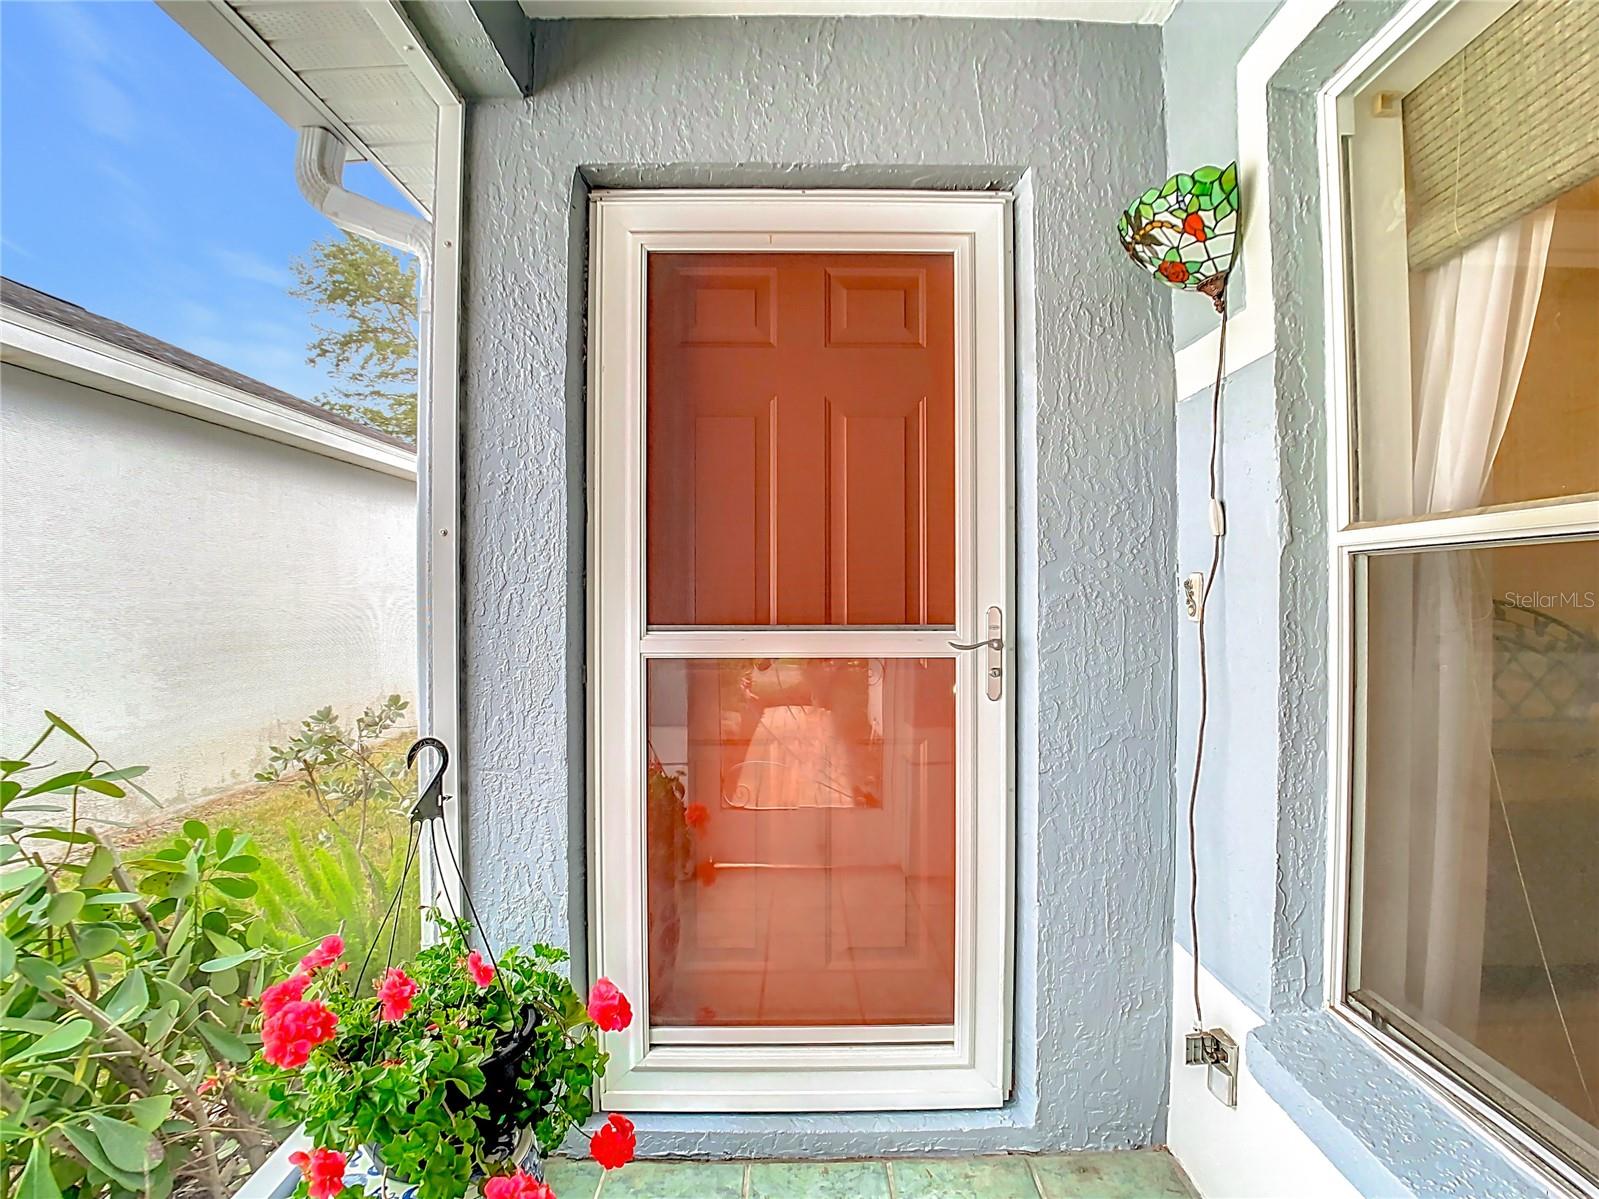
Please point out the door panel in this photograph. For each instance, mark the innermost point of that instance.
(800, 439)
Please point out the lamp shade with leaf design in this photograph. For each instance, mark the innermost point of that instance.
(1184, 230)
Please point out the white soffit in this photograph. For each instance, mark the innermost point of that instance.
(343, 64)
(1126, 12)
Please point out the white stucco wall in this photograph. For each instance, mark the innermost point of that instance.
(183, 593)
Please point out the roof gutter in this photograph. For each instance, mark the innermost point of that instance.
(319, 170)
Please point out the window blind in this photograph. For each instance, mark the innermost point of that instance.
(1503, 127)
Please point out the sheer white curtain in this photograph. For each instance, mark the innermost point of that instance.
(1471, 323)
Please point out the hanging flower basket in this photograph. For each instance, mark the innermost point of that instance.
(450, 1074)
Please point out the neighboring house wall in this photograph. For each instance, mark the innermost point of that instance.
(1071, 115)
(1321, 1111)
(184, 593)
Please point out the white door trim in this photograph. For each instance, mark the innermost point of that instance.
(966, 1064)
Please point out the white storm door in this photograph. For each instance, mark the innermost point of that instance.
(800, 785)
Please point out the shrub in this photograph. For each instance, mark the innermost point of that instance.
(125, 1014)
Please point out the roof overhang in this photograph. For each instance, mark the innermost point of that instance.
(356, 68)
(1129, 12)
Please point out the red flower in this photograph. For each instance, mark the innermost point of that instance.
(395, 991)
(324, 954)
(298, 1027)
(608, 1007)
(290, 990)
(613, 1145)
(1194, 226)
(516, 1186)
(696, 815)
(211, 1083)
(323, 1169)
(482, 973)
(1174, 271)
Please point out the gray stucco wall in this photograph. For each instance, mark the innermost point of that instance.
(1071, 115)
(1264, 806)
(1202, 42)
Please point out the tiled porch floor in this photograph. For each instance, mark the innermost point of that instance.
(1147, 1174)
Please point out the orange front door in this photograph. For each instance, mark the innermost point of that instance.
(800, 461)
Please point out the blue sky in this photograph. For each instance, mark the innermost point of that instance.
(140, 180)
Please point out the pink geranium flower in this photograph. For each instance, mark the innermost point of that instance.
(322, 1169)
(608, 1007)
(516, 1186)
(395, 990)
(325, 954)
(482, 973)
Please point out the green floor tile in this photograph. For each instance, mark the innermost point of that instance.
(965, 1178)
(571, 1179)
(818, 1180)
(1147, 1174)
(675, 1180)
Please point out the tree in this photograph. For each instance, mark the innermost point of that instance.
(363, 299)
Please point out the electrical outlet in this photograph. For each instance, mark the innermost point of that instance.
(1194, 595)
(1218, 1053)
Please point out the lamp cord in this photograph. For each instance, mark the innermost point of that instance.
(1218, 531)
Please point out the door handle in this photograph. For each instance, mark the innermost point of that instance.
(994, 644)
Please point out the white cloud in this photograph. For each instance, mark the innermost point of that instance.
(250, 266)
(89, 51)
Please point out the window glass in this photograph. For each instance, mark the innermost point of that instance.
(1477, 834)
(1474, 219)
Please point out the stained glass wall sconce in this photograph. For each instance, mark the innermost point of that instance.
(1183, 231)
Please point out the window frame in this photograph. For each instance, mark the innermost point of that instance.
(1425, 34)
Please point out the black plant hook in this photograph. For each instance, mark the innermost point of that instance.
(430, 804)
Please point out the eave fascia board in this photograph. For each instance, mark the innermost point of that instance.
(232, 42)
(36, 344)
(1126, 12)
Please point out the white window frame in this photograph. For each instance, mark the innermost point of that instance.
(967, 1064)
(1431, 31)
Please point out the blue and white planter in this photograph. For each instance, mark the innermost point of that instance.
(366, 1175)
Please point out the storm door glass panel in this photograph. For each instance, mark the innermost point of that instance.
(801, 440)
(801, 841)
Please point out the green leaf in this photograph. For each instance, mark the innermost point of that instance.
(226, 1043)
(23, 876)
(96, 940)
(108, 899)
(8, 957)
(125, 773)
(62, 834)
(60, 782)
(242, 863)
(103, 788)
(64, 907)
(148, 1112)
(131, 997)
(231, 961)
(66, 728)
(65, 1038)
(236, 888)
(128, 1146)
(195, 830)
(37, 1182)
(86, 1143)
(98, 868)
(224, 842)
(181, 932)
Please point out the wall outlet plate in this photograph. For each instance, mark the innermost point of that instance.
(1218, 1053)
(1193, 595)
